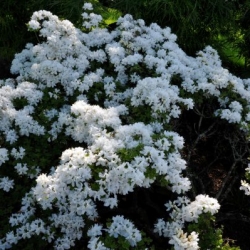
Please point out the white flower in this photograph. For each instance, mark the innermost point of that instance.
(231, 116)
(3, 155)
(11, 238)
(202, 204)
(182, 241)
(125, 228)
(34, 25)
(235, 106)
(245, 187)
(95, 230)
(87, 6)
(96, 244)
(11, 136)
(6, 184)
(18, 154)
(111, 202)
(21, 168)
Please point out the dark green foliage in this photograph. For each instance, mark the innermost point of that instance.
(123, 244)
(194, 22)
(209, 237)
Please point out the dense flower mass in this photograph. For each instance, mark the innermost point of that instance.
(103, 101)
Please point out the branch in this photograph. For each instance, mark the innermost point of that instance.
(229, 188)
(239, 149)
(200, 136)
(190, 174)
(233, 167)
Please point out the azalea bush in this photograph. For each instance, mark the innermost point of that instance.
(88, 137)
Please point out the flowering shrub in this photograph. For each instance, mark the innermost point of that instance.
(88, 121)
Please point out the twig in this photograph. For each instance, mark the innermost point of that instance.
(200, 136)
(226, 179)
(191, 175)
(229, 188)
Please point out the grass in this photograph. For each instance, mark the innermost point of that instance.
(230, 52)
(231, 56)
(111, 15)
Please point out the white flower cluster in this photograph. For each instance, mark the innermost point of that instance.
(125, 228)
(182, 241)
(135, 67)
(21, 118)
(202, 204)
(181, 211)
(118, 227)
(160, 95)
